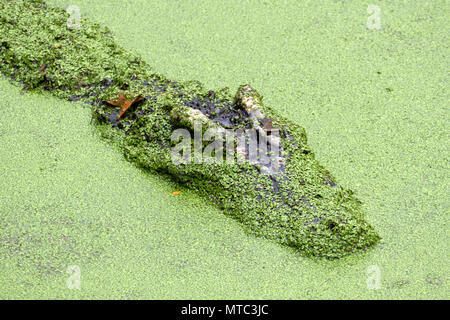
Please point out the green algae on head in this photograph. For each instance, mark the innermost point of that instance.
(301, 205)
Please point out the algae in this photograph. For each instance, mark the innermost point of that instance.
(302, 207)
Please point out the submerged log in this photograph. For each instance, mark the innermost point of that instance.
(296, 202)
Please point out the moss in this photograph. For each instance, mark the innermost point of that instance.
(302, 206)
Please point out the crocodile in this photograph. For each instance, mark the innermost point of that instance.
(293, 200)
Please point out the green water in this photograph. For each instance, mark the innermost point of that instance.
(374, 104)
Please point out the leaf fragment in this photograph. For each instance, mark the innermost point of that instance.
(124, 103)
